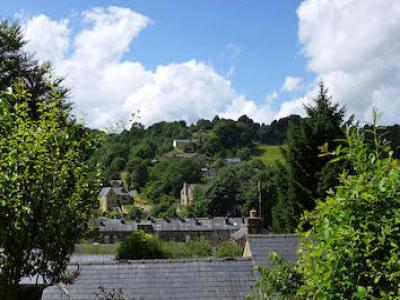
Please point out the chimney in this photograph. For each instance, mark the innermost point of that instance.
(254, 223)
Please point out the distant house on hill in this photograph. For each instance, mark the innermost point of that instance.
(232, 161)
(183, 143)
(187, 193)
(114, 196)
(201, 158)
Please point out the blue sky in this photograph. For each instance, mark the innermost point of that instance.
(252, 45)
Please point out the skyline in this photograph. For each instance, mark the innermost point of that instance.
(187, 60)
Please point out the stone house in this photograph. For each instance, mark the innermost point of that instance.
(187, 193)
(183, 143)
(114, 196)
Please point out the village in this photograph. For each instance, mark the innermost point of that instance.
(225, 277)
(193, 150)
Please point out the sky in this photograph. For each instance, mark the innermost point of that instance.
(156, 60)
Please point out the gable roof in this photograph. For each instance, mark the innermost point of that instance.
(285, 245)
(173, 224)
(161, 279)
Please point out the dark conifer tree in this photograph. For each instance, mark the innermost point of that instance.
(309, 176)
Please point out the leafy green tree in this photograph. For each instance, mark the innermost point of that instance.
(352, 250)
(140, 245)
(309, 175)
(222, 194)
(280, 281)
(165, 208)
(199, 205)
(46, 188)
(17, 65)
(168, 176)
(228, 249)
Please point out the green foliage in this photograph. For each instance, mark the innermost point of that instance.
(165, 208)
(199, 206)
(234, 191)
(352, 250)
(134, 212)
(228, 249)
(168, 176)
(140, 245)
(308, 174)
(46, 187)
(281, 281)
(16, 65)
(270, 155)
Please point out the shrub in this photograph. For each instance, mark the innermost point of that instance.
(192, 249)
(352, 250)
(140, 245)
(199, 248)
(228, 249)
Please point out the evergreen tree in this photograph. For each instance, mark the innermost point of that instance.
(309, 176)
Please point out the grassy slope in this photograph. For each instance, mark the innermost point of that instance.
(269, 154)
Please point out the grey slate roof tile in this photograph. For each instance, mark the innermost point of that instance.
(162, 279)
(285, 245)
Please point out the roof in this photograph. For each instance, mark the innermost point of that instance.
(187, 141)
(105, 190)
(161, 279)
(285, 245)
(175, 224)
(114, 225)
(199, 224)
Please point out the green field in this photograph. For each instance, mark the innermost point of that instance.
(86, 247)
(269, 154)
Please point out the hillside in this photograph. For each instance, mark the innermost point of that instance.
(269, 154)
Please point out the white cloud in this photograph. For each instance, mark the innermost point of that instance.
(106, 88)
(272, 96)
(47, 39)
(291, 83)
(354, 46)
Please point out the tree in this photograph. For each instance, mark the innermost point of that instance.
(352, 250)
(46, 188)
(309, 175)
(140, 245)
(228, 249)
(222, 194)
(168, 176)
(18, 65)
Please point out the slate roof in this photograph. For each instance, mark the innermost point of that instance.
(105, 190)
(285, 245)
(114, 225)
(199, 224)
(161, 279)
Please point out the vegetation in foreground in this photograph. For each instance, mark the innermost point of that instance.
(351, 250)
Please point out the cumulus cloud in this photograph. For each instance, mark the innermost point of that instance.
(354, 46)
(47, 39)
(291, 83)
(106, 88)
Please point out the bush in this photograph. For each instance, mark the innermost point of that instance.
(140, 245)
(352, 250)
(228, 249)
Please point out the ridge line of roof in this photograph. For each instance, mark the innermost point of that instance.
(159, 261)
